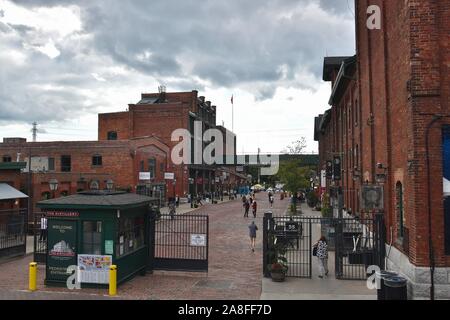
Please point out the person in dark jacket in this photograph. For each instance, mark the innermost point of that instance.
(252, 233)
(246, 208)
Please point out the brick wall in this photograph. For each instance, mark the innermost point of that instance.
(403, 80)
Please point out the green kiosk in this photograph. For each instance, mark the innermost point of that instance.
(90, 231)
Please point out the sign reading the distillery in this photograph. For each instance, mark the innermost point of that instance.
(62, 214)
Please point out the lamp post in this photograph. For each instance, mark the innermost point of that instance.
(53, 183)
(109, 185)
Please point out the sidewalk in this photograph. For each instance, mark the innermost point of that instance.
(316, 289)
(186, 207)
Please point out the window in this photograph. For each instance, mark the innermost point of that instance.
(152, 167)
(51, 164)
(400, 212)
(7, 158)
(94, 185)
(92, 237)
(112, 135)
(130, 236)
(97, 160)
(66, 164)
(46, 195)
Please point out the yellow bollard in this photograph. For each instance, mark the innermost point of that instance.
(113, 280)
(33, 276)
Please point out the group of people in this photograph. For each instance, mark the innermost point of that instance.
(249, 202)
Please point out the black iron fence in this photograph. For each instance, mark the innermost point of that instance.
(13, 232)
(40, 237)
(179, 242)
(353, 244)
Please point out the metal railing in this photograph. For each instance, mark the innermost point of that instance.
(13, 232)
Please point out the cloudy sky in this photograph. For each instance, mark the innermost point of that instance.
(64, 61)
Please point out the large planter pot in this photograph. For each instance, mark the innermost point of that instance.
(278, 276)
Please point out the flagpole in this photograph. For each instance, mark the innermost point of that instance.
(232, 113)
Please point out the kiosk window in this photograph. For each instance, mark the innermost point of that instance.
(130, 236)
(92, 237)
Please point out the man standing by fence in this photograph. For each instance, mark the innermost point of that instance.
(43, 236)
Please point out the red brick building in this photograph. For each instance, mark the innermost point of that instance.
(83, 165)
(160, 114)
(392, 116)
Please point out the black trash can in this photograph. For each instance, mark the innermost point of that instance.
(380, 277)
(396, 288)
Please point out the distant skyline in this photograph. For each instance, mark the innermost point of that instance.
(65, 61)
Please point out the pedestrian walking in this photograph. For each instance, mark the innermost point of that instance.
(246, 208)
(321, 249)
(199, 200)
(254, 207)
(271, 201)
(172, 210)
(177, 201)
(252, 232)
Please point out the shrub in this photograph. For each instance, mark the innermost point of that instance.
(312, 199)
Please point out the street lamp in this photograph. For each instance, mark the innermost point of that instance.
(53, 183)
(109, 185)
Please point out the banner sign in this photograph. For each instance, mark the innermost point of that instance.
(446, 183)
(62, 241)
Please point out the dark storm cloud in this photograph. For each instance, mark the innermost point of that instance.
(254, 44)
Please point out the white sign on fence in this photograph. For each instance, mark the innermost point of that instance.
(198, 240)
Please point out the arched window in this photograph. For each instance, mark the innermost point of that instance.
(400, 211)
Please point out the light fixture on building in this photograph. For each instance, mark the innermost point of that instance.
(53, 184)
(381, 176)
(109, 184)
(356, 174)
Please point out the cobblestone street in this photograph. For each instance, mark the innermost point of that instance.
(234, 271)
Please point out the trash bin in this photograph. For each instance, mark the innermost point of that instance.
(396, 288)
(380, 277)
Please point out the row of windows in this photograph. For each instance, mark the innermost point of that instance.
(66, 162)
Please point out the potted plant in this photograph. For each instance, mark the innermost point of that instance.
(278, 271)
(277, 266)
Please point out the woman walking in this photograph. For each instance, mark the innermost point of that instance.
(322, 256)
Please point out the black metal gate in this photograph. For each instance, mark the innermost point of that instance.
(40, 237)
(353, 244)
(13, 236)
(179, 242)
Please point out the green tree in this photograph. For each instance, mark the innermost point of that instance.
(294, 177)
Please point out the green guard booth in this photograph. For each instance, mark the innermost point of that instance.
(90, 231)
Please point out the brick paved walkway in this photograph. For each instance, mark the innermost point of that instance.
(234, 271)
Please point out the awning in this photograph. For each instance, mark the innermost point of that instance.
(7, 192)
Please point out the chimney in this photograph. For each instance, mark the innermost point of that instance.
(162, 94)
(208, 103)
(18, 156)
(202, 99)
